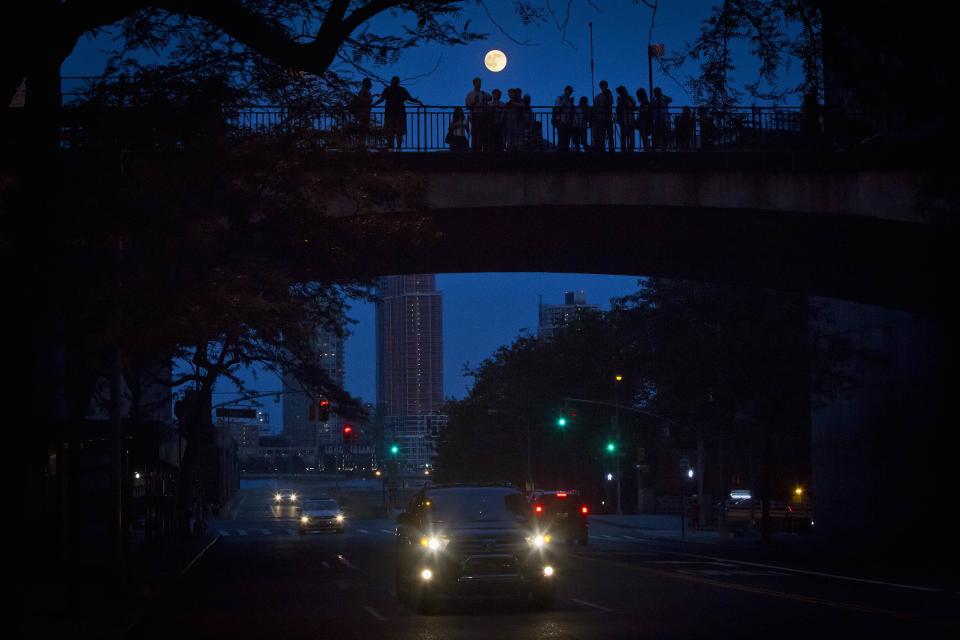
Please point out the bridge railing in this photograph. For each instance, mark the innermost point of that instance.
(424, 129)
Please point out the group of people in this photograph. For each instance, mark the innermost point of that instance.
(488, 123)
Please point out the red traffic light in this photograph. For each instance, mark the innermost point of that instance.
(347, 429)
(538, 508)
(584, 510)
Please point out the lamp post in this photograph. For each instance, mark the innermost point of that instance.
(683, 518)
(617, 379)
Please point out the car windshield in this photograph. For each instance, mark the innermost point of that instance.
(326, 505)
(474, 505)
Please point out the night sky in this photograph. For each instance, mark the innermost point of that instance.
(484, 311)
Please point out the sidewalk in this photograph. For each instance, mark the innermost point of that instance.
(87, 600)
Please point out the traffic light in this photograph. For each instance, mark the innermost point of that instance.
(348, 435)
(562, 421)
(324, 411)
(394, 449)
(611, 447)
(566, 418)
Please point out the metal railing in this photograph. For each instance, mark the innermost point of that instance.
(507, 129)
(500, 129)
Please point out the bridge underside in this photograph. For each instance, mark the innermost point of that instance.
(886, 263)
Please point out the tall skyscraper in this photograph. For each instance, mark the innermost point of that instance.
(554, 317)
(297, 426)
(410, 364)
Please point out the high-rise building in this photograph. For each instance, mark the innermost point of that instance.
(554, 317)
(410, 363)
(298, 429)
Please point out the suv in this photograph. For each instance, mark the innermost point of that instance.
(562, 514)
(471, 540)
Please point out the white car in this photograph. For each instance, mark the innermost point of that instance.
(285, 496)
(321, 514)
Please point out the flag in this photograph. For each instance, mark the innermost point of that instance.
(656, 50)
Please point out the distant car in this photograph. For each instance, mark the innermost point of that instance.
(285, 496)
(321, 514)
(562, 513)
(471, 540)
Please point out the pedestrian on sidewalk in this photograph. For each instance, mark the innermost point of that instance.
(695, 515)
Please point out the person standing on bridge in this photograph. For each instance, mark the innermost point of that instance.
(603, 118)
(643, 118)
(497, 117)
(562, 118)
(395, 116)
(478, 102)
(458, 130)
(581, 122)
(625, 118)
(360, 110)
(660, 114)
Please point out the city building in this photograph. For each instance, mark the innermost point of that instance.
(298, 429)
(553, 317)
(410, 365)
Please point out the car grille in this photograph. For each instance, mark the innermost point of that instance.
(490, 566)
(487, 545)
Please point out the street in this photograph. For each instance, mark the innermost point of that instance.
(262, 578)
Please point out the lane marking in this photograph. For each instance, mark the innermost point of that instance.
(236, 509)
(241, 532)
(265, 532)
(390, 531)
(374, 613)
(806, 572)
(605, 536)
(363, 531)
(590, 604)
(290, 532)
(223, 533)
(345, 562)
(716, 564)
(197, 557)
(733, 586)
(631, 538)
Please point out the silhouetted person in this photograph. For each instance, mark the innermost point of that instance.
(476, 102)
(497, 116)
(810, 121)
(562, 118)
(395, 114)
(602, 123)
(360, 107)
(625, 118)
(515, 119)
(581, 123)
(708, 129)
(457, 131)
(643, 118)
(660, 115)
(686, 127)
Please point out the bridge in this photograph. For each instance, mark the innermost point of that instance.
(746, 198)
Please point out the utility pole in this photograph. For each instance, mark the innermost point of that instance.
(616, 430)
(593, 89)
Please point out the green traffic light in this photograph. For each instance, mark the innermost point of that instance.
(611, 447)
(561, 421)
(394, 449)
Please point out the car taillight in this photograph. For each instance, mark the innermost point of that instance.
(584, 510)
(538, 508)
(561, 495)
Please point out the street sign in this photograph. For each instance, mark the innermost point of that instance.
(227, 412)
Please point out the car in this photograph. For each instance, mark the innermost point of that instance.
(321, 514)
(285, 496)
(471, 540)
(562, 514)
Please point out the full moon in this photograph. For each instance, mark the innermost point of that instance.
(495, 60)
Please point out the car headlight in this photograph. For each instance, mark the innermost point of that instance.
(339, 517)
(304, 519)
(434, 543)
(539, 541)
(293, 497)
(278, 497)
